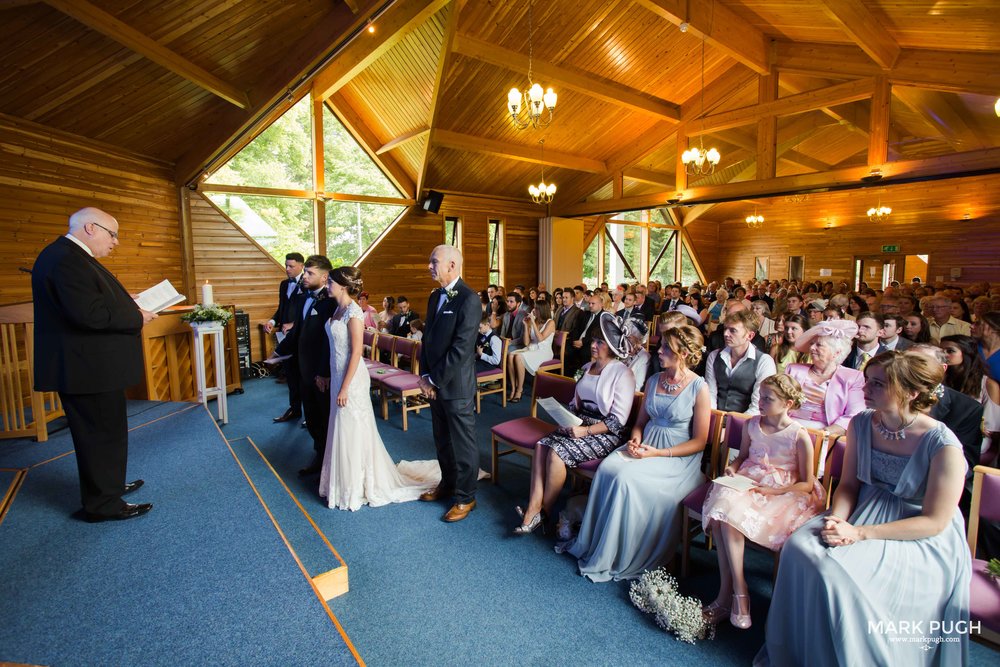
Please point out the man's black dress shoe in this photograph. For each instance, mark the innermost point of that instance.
(128, 512)
(312, 468)
(288, 416)
(303, 425)
(132, 486)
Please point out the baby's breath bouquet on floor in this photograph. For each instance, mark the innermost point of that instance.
(656, 593)
(210, 313)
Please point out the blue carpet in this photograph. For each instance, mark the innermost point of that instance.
(203, 579)
(25, 452)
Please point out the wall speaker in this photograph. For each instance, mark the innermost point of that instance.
(433, 202)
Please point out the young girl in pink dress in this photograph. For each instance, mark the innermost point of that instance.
(777, 455)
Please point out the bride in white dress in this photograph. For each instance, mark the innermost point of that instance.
(357, 470)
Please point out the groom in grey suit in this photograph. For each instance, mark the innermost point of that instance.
(448, 379)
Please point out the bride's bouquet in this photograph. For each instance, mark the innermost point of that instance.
(656, 593)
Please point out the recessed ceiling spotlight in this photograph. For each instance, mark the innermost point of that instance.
(683, 26)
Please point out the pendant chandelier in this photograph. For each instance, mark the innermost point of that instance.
(533, 101)
(879, 213)
(697, 161)
(755, 221)
(542, 193)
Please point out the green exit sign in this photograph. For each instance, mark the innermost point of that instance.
(890, 248)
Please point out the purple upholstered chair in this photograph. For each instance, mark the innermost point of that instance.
(984, 601)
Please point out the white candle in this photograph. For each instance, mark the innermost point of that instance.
(206, 294)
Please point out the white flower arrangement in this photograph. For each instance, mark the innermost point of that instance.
(656, 593)
(203, 313)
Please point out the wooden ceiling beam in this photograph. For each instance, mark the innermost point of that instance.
(509, 151)
(947, 122)
(648, 176)
(230, 129)
(106, 24)
(948, 166)
(719, 26)
(864, 29)
(353, 6)
(404, 138)
(360, 130)
(392, 27)
(447, 45)
(954, 71)
(841, 93)
(588, 84)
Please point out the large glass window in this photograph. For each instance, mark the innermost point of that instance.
(453, 231)
(591, 277)
(351, 227)
(689, 273)
(662, 253)
(622, 245)
(348, 168)
(495, 235)
(279, 224)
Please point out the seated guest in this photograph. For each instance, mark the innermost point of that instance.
(793, 305)
(484, 298)
(980, 306)
(386, 314)
(489, 347)
(891, 333)
(371, 315)
(892, 547)
(579, 340)
(672, 300)
(603, 400)
(783, 351)
(644, 304)
(832, 393)
(763, 311)
(715, 340)
(416, 329)
(866, 341)
(512, 326)
(966, 371)
(399, 325)
(498, 307)
(536, 347)
(633, 518)
(832, 313)
(636, 358)
(735, 372)
(942, 322)
(987, 330)
(916, 329)
(960, 310)
(568, 312)
(777, 455)
(629, 310)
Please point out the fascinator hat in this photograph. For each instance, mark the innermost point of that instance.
(616, 333)
(689, 313)
(844, 329)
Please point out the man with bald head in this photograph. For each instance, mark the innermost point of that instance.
(448, 379)
(88, 347)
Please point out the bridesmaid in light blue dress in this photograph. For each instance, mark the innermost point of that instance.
(633, 517)
(890, 584)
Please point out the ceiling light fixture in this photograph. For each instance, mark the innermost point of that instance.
(697, 161)
(755, 221)
(533, 100)
(542, 193)
(371, 27)
(879, 213)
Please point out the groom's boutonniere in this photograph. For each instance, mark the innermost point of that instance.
(451, 293)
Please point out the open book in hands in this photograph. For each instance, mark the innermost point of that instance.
(158, 297)
(558, 412)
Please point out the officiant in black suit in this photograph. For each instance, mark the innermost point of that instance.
(282, 321)
(448, 366)
(88, 347)
(308, 344)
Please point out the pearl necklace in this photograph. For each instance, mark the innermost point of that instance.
(890, 434)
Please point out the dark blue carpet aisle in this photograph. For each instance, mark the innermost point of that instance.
(203, 579)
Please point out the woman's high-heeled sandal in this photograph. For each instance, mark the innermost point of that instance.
(536, 521)
(741, 621)
(714, 613)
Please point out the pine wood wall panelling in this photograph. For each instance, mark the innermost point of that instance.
(46, 175)
(970, 245)
(241, 272)
(704, 235)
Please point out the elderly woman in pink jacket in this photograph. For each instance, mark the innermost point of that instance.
(603, 400)
(832, 393)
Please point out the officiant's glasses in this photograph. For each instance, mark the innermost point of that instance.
(114, 235)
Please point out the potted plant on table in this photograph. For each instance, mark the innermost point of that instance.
(207, 317)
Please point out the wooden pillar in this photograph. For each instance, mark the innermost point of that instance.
(767, 128)
(319, 176)
(681, 181)
(878, 137)
(187, 245)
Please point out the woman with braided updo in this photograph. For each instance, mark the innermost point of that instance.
(776, 455)
(633, 518)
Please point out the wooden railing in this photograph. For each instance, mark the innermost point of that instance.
(24, 412)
